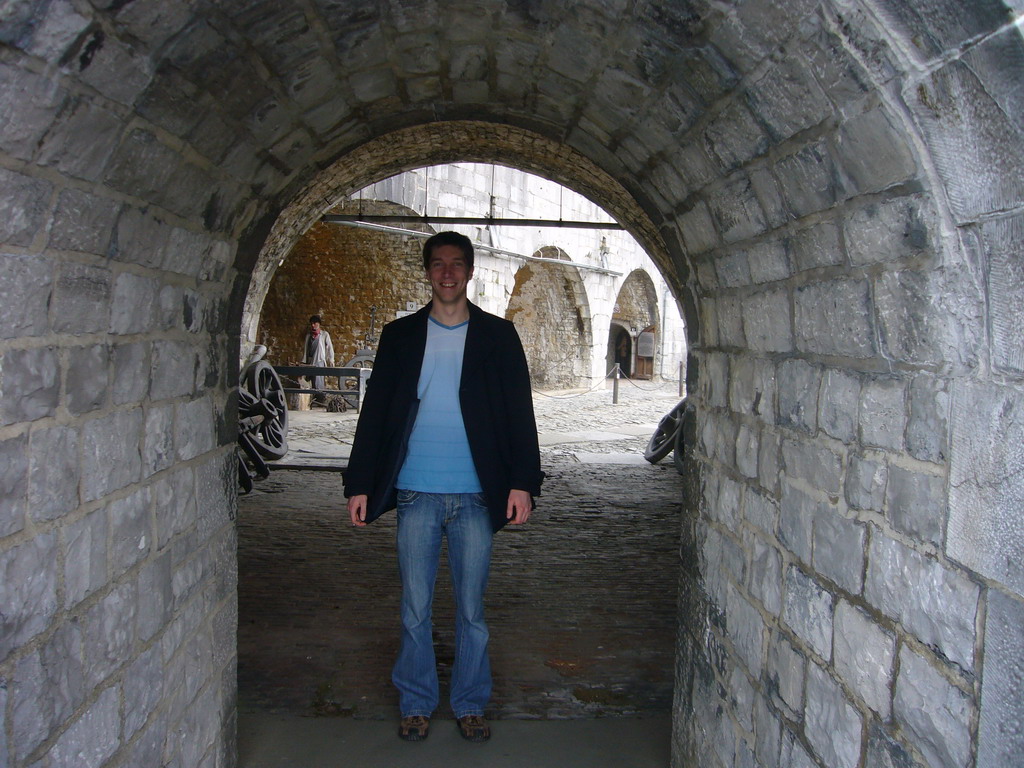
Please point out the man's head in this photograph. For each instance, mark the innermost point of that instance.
(461, 242)
(448, 261)
(314, 322)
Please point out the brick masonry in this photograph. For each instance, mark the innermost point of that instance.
(831, 189)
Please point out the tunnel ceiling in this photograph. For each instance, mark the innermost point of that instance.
(696, 123)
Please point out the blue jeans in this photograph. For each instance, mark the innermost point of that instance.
(423, 518)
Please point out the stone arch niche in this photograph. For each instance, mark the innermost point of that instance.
(833, 188)
(635, 312)
(550, 310)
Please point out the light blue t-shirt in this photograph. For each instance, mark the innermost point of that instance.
(438, 459)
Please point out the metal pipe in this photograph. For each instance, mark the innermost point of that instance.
(476, 246)
(342, 218)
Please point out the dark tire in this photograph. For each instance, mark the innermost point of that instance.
(664, 438)
(679, 446)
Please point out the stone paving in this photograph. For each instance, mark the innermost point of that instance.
(582, 601)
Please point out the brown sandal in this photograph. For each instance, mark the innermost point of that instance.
(414, 728)
(474, 728)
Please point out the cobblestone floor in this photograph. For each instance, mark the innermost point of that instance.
(581, 604)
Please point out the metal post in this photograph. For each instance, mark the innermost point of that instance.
(615, 386)
(682, 381)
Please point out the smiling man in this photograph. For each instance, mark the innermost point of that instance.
(447, 434)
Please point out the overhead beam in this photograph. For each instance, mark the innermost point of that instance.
(480, 221)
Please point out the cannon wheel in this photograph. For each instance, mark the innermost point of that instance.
(664, 438)
(262, 395)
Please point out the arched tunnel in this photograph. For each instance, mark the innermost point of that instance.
(831, 187)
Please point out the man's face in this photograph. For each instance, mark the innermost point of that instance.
(314, 327)
(449, 274)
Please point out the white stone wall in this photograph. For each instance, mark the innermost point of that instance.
(468, 189)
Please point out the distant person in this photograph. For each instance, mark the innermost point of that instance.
(319, 351)
(447, 433)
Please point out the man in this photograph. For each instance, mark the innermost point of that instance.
(447, 432)
(318, 350)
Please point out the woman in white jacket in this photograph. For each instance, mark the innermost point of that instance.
(318, 350)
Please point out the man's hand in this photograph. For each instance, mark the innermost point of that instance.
(520, 505)
(357, 509)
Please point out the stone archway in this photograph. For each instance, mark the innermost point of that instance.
(549, 307)
(636, 312)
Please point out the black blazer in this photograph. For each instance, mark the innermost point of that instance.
(496, 402)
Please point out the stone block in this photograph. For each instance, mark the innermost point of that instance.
(768, 261)
(85, 557)
(883, 413)
(793, 754)
(130, 524)
(143, 166)
(83, 222)
(747, 450)
(787, 99)
(916, 504)
(893, 230)
(174, 505)
(215, 485)
(767, 734)
(935, 715)
(131, 366)
(746, 630)
(94, 737)
(5, 754)
(796, 522)
(81, 299)
(813, 462)
(838, 403)
(730, 321)
(765, 582)
(734, 137)
(808, 611)
(117, 70)
(839, 548)
(733, 269)
(866, 481)
(741, 699)
(30, 592)
(960, 100)
(716, 380)
(815, 247)
(28, 105)
(884, 751)
(839, 74)
(807, 180)
(53, 473)
(141, 239)
(767, 321)
(928, 422)
(111, 453)
(143, 688)
(873, 153)
(1002, 240)
(864, 656)
(831, 723)
(787, 670)
(80, 144)
(24, 207)
(1000, 739)
(937, 605)
(769, 460)
(26, 283)
(14, 482)
(87, 382)
(930, 318)
(158, 445)
(985, 530)
(761, 511)
(132, 304)
(174, 369)
(799, 386)
(770, 199)
(109, 628)
(698, 229)
(29, 384)
(752, 387)
(737, 211)
(834, 318)
(195, 428)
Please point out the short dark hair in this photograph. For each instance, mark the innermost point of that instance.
(315, 319)
(448, 238)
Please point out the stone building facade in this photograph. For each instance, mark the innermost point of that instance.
(831, 188)
(565, 315)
